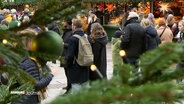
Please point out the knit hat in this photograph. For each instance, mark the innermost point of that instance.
(117, 34)
(132, 15)
(150, 16)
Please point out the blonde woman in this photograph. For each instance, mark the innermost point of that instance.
(34, 66)
(151, 34)
(99, 41)
(171, 23)
(180, 34)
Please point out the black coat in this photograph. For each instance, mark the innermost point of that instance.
(100, 57)
(133, 41)
(67, 32)
(76, 74)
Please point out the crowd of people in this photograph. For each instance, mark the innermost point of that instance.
(136, 36)
(140, 34)
(11, 18)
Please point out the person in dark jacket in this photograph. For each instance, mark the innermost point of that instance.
(77, 74)
(133, 39)
(67, 33)
(151, 34)
(99, 41)
(54, 27)
(35, 66)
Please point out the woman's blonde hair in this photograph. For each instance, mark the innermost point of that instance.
(146, 22)
(182, 22)
(97, 31)
(169, 19)
(27, 40)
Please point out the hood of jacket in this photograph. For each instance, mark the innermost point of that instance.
(102, 40)
(151, 31)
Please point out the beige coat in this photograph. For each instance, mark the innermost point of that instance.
(167, 35)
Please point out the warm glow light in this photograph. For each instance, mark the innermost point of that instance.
(122, 53)
(164, 7)
(93, 67)
(5, 41)
(115, 20)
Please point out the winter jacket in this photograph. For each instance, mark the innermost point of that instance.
(67, 32)
(100, 57)
(151, 38)
(116, 58)
(8, 17)
(167, 35)
(133, 41)
(30, 66)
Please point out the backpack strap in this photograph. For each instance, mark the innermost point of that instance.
(162, 32)
(78, 36)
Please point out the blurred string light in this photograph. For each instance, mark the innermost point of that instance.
(94, 68)
(122, 53)
(5, 41)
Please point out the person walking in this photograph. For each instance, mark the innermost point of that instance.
(133, 39)
(77, 74)
(67, 33)
(99, 41)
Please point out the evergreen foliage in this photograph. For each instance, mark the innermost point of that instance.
(13, 50)
(154, 84)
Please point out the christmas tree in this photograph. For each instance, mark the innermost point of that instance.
(12, 48)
